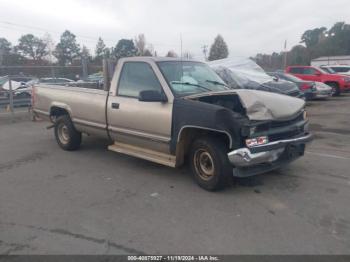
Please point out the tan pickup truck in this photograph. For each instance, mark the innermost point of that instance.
(167, 110)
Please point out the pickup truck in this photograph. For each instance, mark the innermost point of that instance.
(168, 111)
(339, 83)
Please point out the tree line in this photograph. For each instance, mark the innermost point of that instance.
(314, 43)
(34, 50)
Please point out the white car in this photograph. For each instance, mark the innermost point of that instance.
(323, 90)
(337, 69)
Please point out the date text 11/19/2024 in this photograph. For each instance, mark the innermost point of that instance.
(173, 258)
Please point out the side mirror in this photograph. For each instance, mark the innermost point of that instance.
(318, 74)
(275, 78)
(152, 96)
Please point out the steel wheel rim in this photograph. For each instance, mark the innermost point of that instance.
(204, 164)
(63, 133)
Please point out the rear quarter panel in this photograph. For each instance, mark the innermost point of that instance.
(86, 107)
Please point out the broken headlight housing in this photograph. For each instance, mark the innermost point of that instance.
(257, 141)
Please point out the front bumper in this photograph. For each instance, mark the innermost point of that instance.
(261, 159)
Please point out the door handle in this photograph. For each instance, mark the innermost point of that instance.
(115, 105)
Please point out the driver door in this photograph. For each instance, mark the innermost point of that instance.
(132, 122)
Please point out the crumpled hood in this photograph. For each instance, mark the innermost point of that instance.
(263, 106)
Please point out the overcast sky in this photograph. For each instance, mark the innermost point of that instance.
(248, 26)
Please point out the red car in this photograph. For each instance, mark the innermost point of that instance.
(339, 83)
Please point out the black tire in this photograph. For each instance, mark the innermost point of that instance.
(67, 137)
(336, 89)
(209, 163)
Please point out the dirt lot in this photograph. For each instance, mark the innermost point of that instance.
(97, 202)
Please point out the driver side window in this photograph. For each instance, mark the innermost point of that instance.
(309, 71)
(136, 77)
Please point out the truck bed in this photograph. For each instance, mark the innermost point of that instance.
(85, 106)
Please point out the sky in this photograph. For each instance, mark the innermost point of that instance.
(248, 26)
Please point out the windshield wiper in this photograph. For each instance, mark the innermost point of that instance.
(190, 84)
(216, 83)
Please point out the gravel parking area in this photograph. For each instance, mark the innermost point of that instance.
(94, 201)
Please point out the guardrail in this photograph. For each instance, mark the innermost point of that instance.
(20, 102)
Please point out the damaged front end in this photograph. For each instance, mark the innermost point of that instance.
(274, 133)
(270, 145)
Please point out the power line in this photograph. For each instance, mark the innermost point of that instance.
(10, 25)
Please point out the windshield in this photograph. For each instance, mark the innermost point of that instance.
(187, 77)
(326, 70)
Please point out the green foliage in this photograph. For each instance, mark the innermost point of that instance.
(124, 48)
(318, 42)
(5, 46)
(171, 53)
(218, 50)
(312, 37)
(32, 47)
(67, 49)
(299, 55)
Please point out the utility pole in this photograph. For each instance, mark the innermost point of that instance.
(285, 56)
(205, 51)
(181, 45)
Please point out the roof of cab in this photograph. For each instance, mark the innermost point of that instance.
(155, 59)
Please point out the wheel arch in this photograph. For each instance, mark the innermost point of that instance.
(188, 133)
(57, 110)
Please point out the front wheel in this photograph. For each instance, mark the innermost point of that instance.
(67, 137)
(209, 163)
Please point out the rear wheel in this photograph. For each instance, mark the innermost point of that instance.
(67, 137)
(335, 89)
(209, 163)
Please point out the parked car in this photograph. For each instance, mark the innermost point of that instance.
(339, 83)
(323, 90)
(164, 110)
(55, 81)
(337, 69)
(307, 87)
(244, 73)
(21, 86)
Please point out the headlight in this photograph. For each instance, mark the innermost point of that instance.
(347, 79)
(258, 141)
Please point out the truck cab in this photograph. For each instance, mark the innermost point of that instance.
(338, 83)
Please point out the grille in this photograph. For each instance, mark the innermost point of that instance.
(285, 135)
(278, 124)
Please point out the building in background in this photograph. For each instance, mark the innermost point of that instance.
(331, 60)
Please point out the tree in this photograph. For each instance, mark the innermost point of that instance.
(147, 53)
(32, 47)
(140, 43)
(67, 49)
(124, 48)
(100, 51)
(85, 53)
(312, 37)
(50, 47)
(5, 46)
(171, 53)
(218, 50)
(299, 55)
